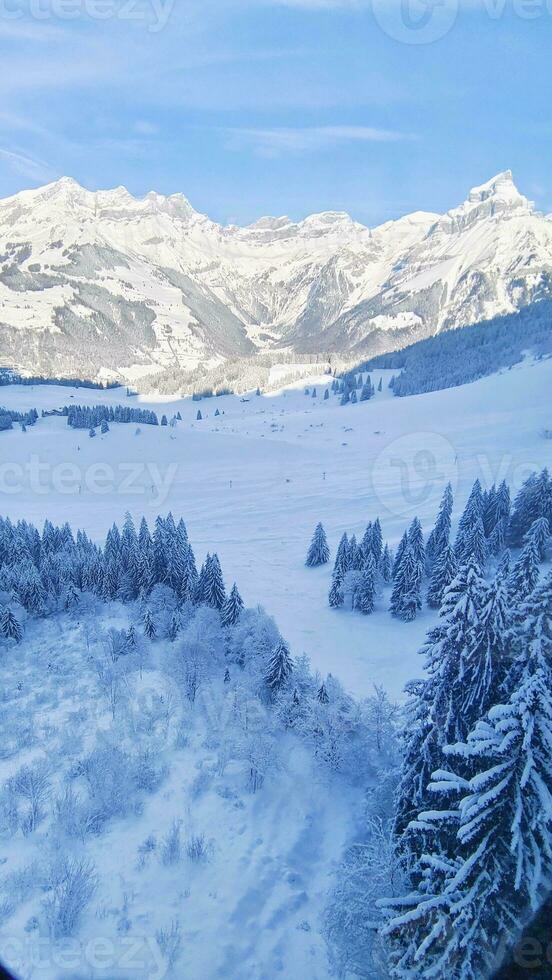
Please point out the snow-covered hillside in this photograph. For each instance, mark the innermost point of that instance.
(252, 482)
(93, 281)
(162, 812)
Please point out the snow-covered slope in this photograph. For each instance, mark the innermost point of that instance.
(103, 281)
(252, 482)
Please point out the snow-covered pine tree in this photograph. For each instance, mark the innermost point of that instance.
(539, 535)
(445, 567)
(319, 552)
(498, 536)
(406, 597)
(188, 589)
(279, 667)
(365, 592)
(149, 625)
(416, 544)
(386, 565)
(366, 543)
(472, 512)
(487, 655)
(354, 555)
(232, 608)
(341, 564)
(533, 500)
(475, 543)
(213, 592)
(202, 580)
(336, 596)
(525, 573)
(322, 694)
(440, 535)
(436, 704)
(10, 627)
(473, 906)
(400, 552)
(175, 626)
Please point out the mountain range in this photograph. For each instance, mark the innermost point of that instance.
(105, 284)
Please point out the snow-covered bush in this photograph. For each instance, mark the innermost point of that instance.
(71, 885)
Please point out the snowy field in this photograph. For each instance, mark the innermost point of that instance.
(186, 870)
(253, 482)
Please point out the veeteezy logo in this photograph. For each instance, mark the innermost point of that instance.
(142, 478)
(153, 14)
(427, 21)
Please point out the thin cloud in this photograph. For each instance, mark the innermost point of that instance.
(27, 166)
(277, 141)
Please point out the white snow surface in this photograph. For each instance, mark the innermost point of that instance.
(253, 482)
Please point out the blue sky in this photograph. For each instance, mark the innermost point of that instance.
(279, 106)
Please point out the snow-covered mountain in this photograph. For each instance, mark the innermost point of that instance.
(102, 281)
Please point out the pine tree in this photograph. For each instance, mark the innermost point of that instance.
(399, 555)
(356, 557)
(104, 427)
(341, 565)
(498, 537)
(232, 608)
(444, 570)
(416, 545)
(386, 566)
(525, 573)
(322, 694)
(202, 580)
(10, 628)
(164, 420)
(534, 500)
(227, 676)
(436, 704)
(175, 626)
(539, 535)
(472, 512)
(406, 597)
(214, 593)
(149, 625)
(199, 416)
(365, 592)
(336, 596)
(326, 394)
(279, 668)
(319, 552)
(486, 658)
(475, 543)
(440, 536)
(472, 905)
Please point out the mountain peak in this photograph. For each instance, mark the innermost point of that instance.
(501, 187)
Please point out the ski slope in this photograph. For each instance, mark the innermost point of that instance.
(253, 482)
